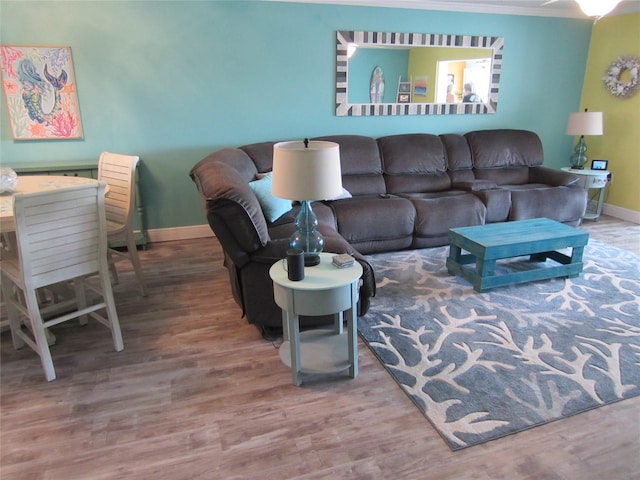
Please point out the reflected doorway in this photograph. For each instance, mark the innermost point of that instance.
(458, 72)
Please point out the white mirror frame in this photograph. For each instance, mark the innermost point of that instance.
(361, 38)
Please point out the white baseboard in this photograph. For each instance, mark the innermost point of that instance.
(201, 231)
(178, 233)
(622, 213)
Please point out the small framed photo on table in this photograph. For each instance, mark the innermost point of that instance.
(599, 164)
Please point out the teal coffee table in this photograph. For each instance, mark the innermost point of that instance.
(540, 238)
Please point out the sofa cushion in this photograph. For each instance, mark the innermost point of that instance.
(504, 156)
(272, 206)
(552, 177)
(563, 204)
(504, 148)
(437, 213)
(233, 157)
(414, 162)
(503, 176)
(474, 185)
(498, 203)
(458, 157)
(261, 154)
(373, 223)
(457, 151)
(360, 164)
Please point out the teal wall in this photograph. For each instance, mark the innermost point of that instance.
(172, 81)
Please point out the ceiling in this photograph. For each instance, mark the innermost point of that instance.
(558, 8)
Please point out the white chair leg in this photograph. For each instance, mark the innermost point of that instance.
(81, 299)
(112, 314)
(21, 299)
(16, 297)
(51, 338)
(132, 250)
(42, 347)
(112, 267)
(10, 296)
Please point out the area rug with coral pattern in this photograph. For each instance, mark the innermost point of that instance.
(484, 365)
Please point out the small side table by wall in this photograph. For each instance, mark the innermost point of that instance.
(325, 290)
(596, 180)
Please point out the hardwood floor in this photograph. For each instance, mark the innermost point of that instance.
(198, 394)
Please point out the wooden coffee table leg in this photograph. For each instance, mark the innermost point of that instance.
(484, 269)
(455, 254)
(538, 257)
(576, 257)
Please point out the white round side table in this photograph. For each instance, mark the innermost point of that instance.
(592, 179)
(325, 290)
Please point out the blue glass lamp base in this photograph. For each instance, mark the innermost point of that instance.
(579, 157)
(311, 260)
(306, 237)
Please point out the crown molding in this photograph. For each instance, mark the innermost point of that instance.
(559, 8)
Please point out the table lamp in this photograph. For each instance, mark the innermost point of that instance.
(306, 171)
(583, 123)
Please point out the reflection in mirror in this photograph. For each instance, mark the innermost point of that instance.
(419, 80)
(376, 88)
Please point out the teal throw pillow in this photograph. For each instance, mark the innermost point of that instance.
(272, 206)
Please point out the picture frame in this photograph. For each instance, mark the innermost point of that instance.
(420, 86)
(40, 92)
(599, 164)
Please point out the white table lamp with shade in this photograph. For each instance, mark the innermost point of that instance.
(306, 171)
(583, 123)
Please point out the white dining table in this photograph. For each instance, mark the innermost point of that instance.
(33, 184)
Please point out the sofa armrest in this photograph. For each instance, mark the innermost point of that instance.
(552, 177)
(230, 202)
(474, 185)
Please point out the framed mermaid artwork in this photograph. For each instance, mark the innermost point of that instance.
(40, 92)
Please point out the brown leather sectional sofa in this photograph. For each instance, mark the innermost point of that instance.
(407, 192)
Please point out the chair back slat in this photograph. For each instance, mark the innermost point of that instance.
(61, 234)
(118, 171)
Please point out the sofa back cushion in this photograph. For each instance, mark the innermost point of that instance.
(233, 211)
(458, 157)
(504, 155)
(261, 154)
(232, 157)
(360, 164)
(414, 163)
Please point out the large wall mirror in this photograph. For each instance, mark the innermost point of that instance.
(384, 73)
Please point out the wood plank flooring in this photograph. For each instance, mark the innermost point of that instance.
(198, 394)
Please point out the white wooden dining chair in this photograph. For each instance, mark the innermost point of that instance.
(119, 172)
(60, 237)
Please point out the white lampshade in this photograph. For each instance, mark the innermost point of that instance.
(585, 123)
(306, 172)
(597, 8)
